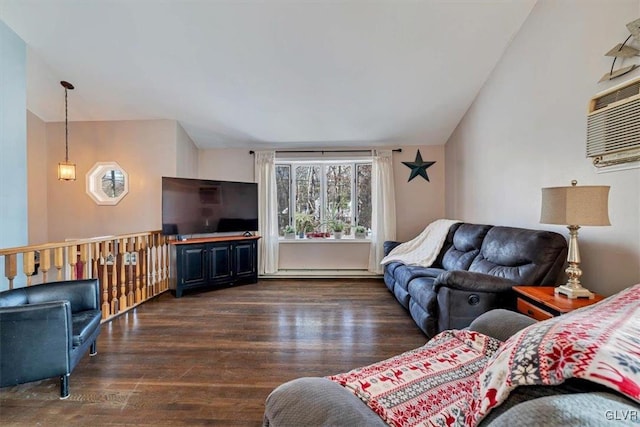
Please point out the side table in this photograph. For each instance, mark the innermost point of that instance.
(541, 302)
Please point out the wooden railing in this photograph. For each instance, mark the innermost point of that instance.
(131, 268)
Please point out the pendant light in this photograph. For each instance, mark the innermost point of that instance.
(66, 169)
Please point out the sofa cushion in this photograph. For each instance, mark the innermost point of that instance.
(521, 274)
(84, 324)
(524, 256)
(423, 304)
(426, 321)
(391, 267)
(406, 273)
(421, 290)
(389, 280)
(448, 242)
(466, 245)
(402, 296)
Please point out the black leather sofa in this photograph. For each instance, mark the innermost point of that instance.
(46, 329)
(473, 273)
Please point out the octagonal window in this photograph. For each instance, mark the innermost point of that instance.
(107, 183)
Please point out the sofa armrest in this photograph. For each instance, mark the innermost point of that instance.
(388, 246)
(314, 401)
(82, 294)
(501, 324)
(464, 295)
(578, 409)
(471, 281)
(35, 341)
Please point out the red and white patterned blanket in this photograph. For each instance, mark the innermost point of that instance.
(459, 376)
(432, 382)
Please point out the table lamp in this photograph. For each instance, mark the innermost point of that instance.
(575, 206)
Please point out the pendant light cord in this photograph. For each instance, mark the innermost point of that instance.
(66, 86)
(66, 129)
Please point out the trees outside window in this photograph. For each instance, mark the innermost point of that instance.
(338, 194)
(307, 193)
(283, 189)
(363, 193)
(316, 195)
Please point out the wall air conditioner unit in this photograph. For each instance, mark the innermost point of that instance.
(613, 125)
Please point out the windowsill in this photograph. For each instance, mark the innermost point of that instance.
(324, 240)
(320, 273)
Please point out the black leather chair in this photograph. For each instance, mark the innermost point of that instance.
(46, 329)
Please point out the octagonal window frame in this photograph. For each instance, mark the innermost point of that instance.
(94, 183)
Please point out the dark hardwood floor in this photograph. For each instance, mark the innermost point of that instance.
(211, 358)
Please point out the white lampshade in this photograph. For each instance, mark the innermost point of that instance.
(575, 205)
(66, 171)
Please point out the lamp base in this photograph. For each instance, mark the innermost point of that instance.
(573, 293)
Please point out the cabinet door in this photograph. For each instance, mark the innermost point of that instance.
(193, 271)
(245, 259)
(220, 260)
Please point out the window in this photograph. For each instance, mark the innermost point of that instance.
(363, 194)
(313, 195)
(283, 190)
(107, 183)
(113, 183)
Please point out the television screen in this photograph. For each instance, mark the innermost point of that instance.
(199, 206)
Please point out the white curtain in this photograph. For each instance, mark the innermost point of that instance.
(265, 174)
(383, 207)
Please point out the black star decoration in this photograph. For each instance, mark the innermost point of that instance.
(418, 167)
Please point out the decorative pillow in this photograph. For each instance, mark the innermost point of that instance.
(599, 343)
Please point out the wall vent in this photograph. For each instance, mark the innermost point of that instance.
(613, 125)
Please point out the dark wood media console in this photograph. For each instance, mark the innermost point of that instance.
(213, 262)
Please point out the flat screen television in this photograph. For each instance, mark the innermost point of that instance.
(200, 206)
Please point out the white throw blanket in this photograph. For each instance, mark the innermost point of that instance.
(423, 249)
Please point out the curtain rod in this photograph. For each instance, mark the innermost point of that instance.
(398, 150)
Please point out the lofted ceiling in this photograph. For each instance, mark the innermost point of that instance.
(266, 73)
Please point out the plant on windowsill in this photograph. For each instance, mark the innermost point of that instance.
(289, 232)
(360, 232)
(319, 232)
(338, 228)
(304, 224)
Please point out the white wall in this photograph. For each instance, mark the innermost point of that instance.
(13, 142)
(13, 161)
(226, 164)
(145, 149)
(148, 150)
(186, 154)
(37, 179)
(417, 203)
(527, 129)
(347, 254)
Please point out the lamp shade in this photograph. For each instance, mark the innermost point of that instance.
(575, 205)
(66, 171)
